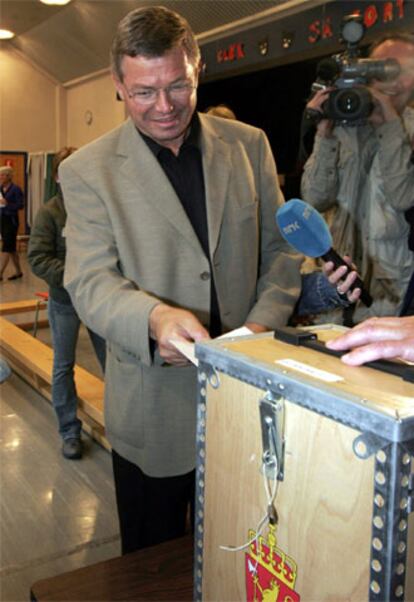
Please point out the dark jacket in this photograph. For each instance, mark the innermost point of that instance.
(47, 247)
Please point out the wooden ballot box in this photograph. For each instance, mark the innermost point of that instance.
(304, 476)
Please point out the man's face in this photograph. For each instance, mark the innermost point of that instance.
(401, 89)
(160, 95)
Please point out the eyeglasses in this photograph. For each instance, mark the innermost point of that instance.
(148, 96)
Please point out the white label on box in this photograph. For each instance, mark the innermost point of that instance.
(310, 370)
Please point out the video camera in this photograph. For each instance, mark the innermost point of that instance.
(350, 103)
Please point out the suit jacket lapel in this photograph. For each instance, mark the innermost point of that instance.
(142, 169)
(216, 167)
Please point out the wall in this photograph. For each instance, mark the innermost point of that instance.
(38, 114)
(29, 106)
(92, 109)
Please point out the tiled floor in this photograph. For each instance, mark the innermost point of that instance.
(55, 514)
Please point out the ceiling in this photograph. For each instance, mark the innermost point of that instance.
(72, 41)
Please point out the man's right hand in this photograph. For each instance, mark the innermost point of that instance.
(166, 323)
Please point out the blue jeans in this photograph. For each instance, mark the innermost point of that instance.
(64, 324)
(318, 295)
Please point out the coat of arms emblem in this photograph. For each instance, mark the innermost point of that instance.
(270, 573)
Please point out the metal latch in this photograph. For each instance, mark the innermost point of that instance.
(272, 423)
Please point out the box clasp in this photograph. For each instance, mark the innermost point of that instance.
(272, 424)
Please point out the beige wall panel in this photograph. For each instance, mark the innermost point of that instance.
(92, 110)
(28, 103)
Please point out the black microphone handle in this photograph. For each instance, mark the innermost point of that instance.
(337, 260)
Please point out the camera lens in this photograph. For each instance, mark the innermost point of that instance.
(348, 102)
(349, 105)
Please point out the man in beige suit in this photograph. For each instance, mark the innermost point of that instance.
(171, 235)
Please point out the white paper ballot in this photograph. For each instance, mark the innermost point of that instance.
(187, 349)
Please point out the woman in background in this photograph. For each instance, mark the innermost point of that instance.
(11, 200)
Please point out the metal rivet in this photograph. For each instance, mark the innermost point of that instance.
(406, 459)
(381, 456)
(405, 481)
(399, 591)
(380, 478)
(377, 543)
(375, 587)
(378, 522)
(379, 500)
(400, 569)
(376, 565)
(401, 547)
(361, 449)
(402, 525)
(404, 503)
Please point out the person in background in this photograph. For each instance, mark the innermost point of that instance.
(377, 338)
(11, 200)
(364, 174)
(221, 110)
(46, 257)
(171, 236)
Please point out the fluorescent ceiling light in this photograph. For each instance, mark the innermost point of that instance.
(5, 34)
(55, 2)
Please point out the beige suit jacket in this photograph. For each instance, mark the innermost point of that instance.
(130, 244)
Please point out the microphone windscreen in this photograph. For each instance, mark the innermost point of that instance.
(327, 70)
(304, 228)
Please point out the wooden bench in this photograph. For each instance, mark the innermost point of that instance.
(21, 307)
(33, 360)
(160, 573)
(18, 307)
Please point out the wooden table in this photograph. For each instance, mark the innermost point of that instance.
(162, 573)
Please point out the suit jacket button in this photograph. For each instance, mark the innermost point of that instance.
(205, 275)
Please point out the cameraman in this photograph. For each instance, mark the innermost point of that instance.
(364, 174)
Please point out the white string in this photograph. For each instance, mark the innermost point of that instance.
(271, 497)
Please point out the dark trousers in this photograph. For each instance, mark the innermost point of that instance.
(151, 510)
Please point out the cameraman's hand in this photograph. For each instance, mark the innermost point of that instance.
(383, 108)
(325, 126)
(317, 100)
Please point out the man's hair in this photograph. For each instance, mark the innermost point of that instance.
(151, 32)
(60, 156)
(221, 110)
(395, 36)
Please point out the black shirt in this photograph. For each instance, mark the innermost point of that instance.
(185, 172)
